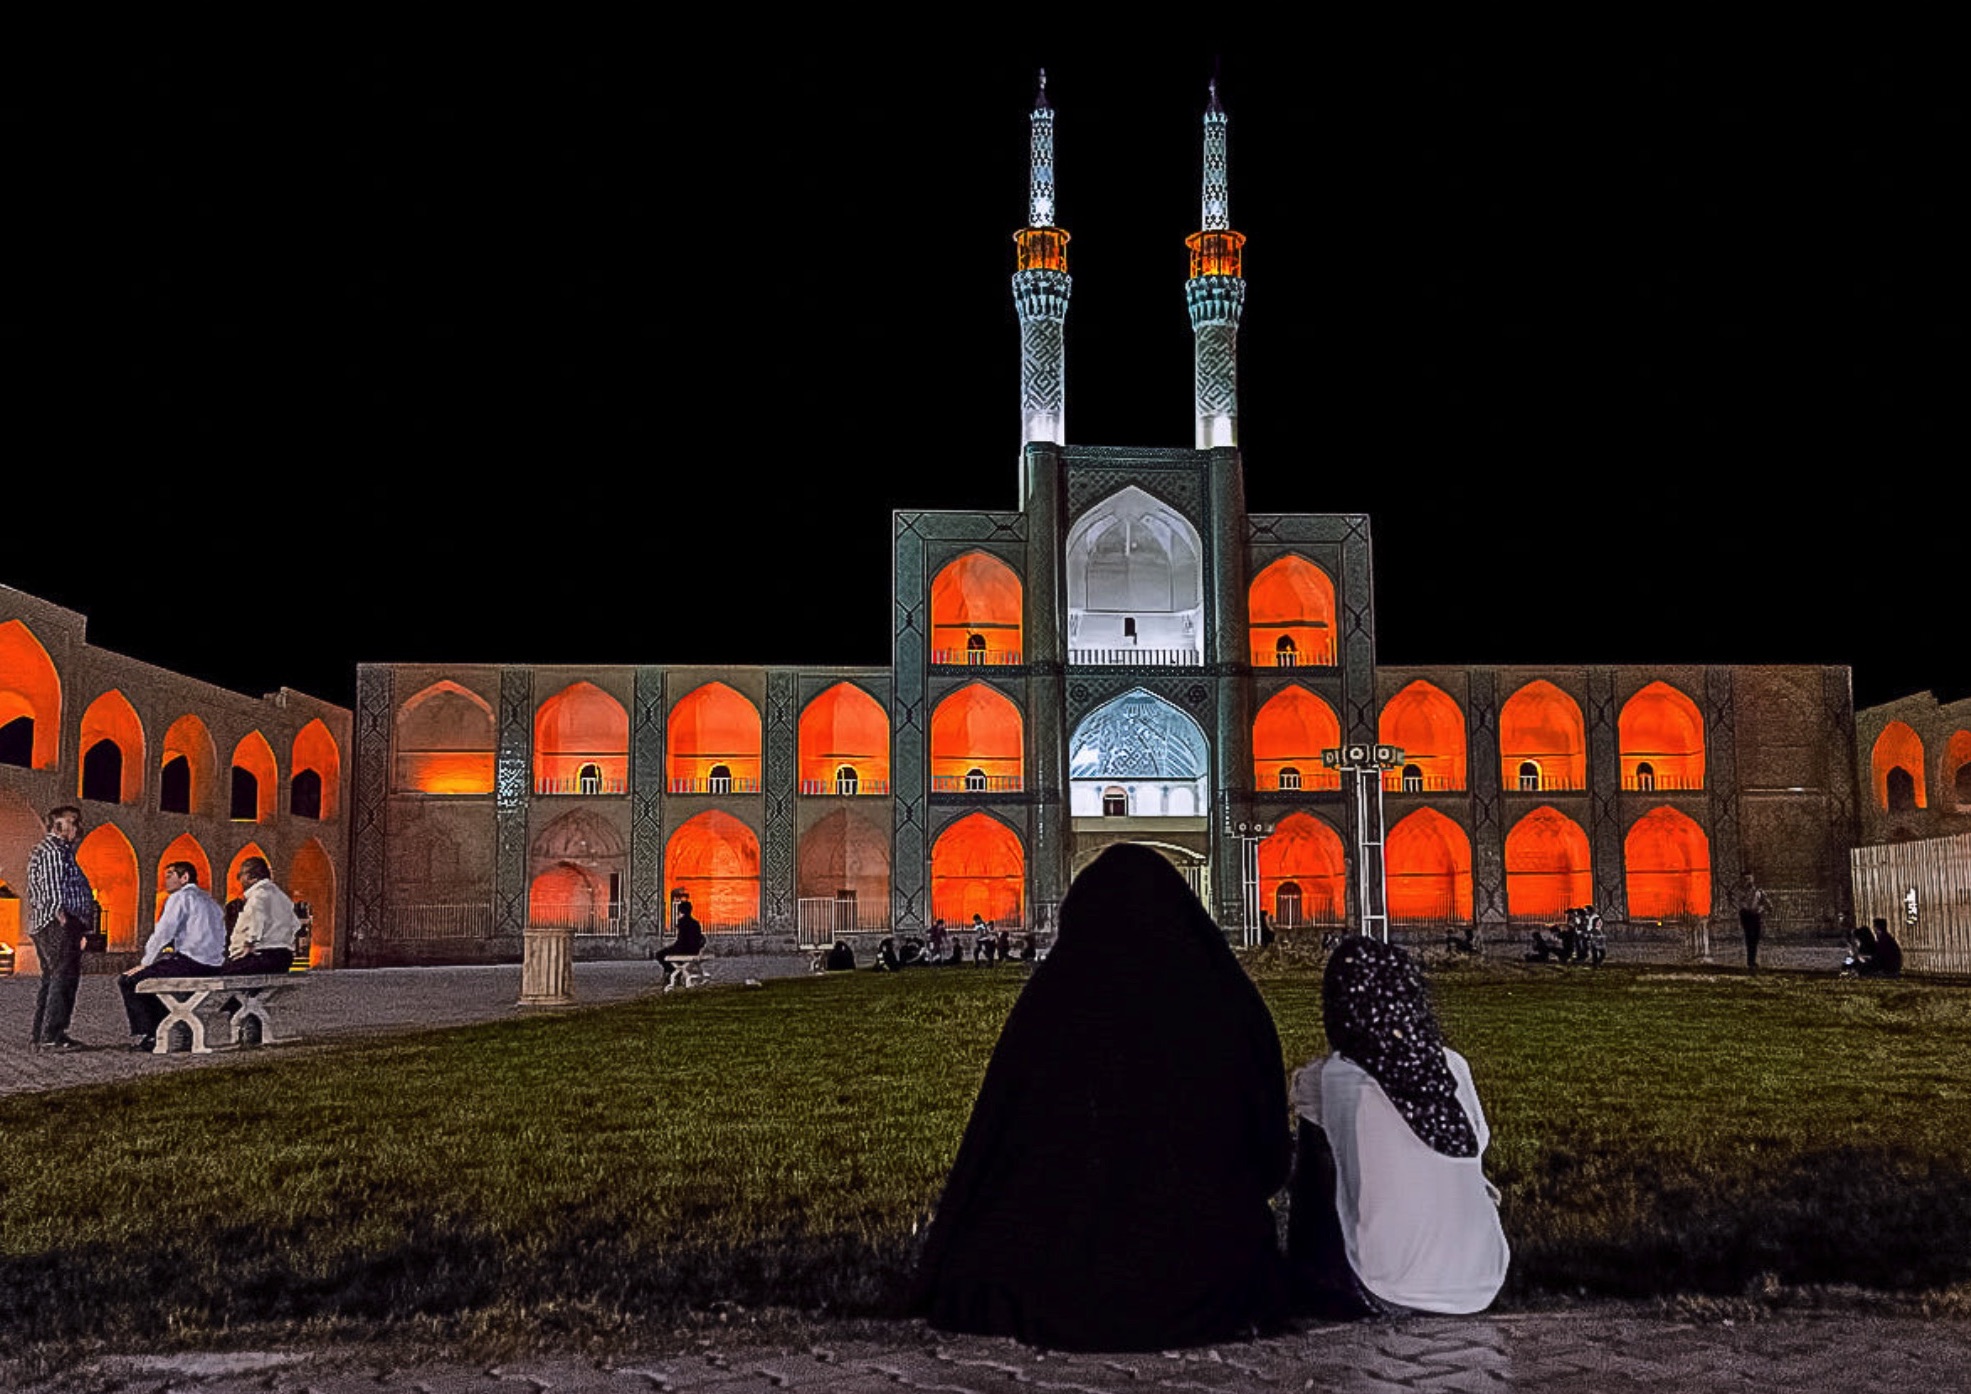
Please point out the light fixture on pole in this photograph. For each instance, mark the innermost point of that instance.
(1364, 764)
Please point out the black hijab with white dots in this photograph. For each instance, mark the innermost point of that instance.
(1377, 1012)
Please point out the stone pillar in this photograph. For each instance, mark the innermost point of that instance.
(1050, 839)
(1229, 656)
(547, 966)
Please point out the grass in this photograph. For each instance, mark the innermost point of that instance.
(605, 1177)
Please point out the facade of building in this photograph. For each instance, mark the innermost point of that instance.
(1914, 762)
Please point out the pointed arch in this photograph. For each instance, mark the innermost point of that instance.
(580, 727)
(188, 772)
(1288, 736)
(1429, 727)
(978, 867)
(1541, 726)
(110, 862)
(568, 896)
(1957, 767)
(315, 752)
(1660, 727)
(713, 726)
(110, 726)
(1135, 582)
(234, 890)
(31, 692)
(256, 779)
(978, 742)
(1291, 605)
(1144, 742)
(1666, 860)
(1898, 748)
(1547, 866)
(715, 860)
(183, 848)
(1305, 853)
(312, 880)
(445, 741)
(844, 728)
(846, 856)
(977, 605)
(1427, 869)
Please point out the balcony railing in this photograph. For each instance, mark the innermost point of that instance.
(978, 658)
(1656, 783)
(575, 784)
(846, 788)
(1320, 655)
(1543, 783)
(1397, 782)
(609, 922)
(977, 784)
(1321, 779)
(717, 784)
(1137, 658)
(419, 922)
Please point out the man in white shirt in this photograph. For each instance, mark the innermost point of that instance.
(193, 929)
(263, 936)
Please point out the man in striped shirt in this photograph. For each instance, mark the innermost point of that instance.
(61, 909)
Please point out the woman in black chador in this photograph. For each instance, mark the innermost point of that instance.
(1112, 1189)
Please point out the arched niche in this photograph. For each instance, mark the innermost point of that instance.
(1540, 727)
(844, 728)
(1291, 614)
(567, 896)
(1135, 577)
(1427, 869)
(315, 753)
(256, 780)
(1547, 866)
(30, 693)
(845, 860)
(110, 862)
(234, 890)
(712, 729)
(1957, 767)
(976, 612)
(1288, 736)
(581, 743)
(1661, 736)
(978, 867)
(1429, 727)
(1150, 753)
(112, 751)
(188, 773)
(445, 742)
(183, 848)
(1898, 748)
(313, 880)
(715, 860)
(1304, 854)
(978, 742)
(1666, 861)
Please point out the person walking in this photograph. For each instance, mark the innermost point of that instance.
(1753, 905)
(61, 909)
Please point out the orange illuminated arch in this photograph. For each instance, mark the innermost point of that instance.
(846, 853)
(569, 897)
(712, 726)
(1290, 732)
(1667, 860)
(445, 742)
(1661, 728)
(581, 727)
(189, 770)
(845, 726)
(111, 718)
(1428, 726)
(977, 729)
(1541, 726)
(1898, 747)
(1292, 609)
(313, 880)
(1547, 867)
(1427, 869)
(978, 868)
(315, 750)
(234, 889)
(715, 860)
(975, 611)
(31, 691)
(21, 832)
(183, 848)
(1957, 766)
(256, 758)
(110, 862)
(1305, 853)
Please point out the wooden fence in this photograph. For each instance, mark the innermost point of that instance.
(1923, 889)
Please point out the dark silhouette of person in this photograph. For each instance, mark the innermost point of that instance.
(1753, 905)
(690, 940)
(1887, 960)
(1112, 1188)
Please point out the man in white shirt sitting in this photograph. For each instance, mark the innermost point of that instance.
(263, 936)
(193, 929)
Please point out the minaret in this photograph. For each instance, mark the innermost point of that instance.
(1215, 294)
(1040, 292)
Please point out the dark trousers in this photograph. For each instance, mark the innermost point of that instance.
(1754, 924)
(60, 951)
(260, 961)
(143, 1010)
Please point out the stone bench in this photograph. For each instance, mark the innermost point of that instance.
(185, 997)
(687, 970)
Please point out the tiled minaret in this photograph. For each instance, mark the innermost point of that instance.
(1040, 292)
(1215, 294)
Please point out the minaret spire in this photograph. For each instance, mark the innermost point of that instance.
(1041, 286)
(1215, 293)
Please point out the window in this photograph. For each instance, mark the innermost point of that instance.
(174, 786)
(975, 780)
(720, 781)
(1286, 903)
(588, 779)
(846, 780)
(1289, 777)
(1529, 776)
(17, 742)
(246, 796)
(975, 648)
(1129, 626)
(1115, 803)
(1413, 779)
(1286, 653)
(102, 772)
(1646, 776)
(304, 797)
(1900, 786)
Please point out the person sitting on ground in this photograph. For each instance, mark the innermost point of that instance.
(1570, 937)
(1464, 943)
(1111, 1192)
(1544, 949)
(1887, 960)
(957, 958)
(262, 939)
(841, 958)
(188, 942)
(886, 957)
(982, 941)
(1390, 1209)
(690, 941)
(910, 952)
(1861, 948)
(937, 939)
(1028, 947)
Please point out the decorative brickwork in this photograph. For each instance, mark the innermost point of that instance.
(1605, 834)
(780, 778)
(1488, 833)
(910, 726)
(1721, 775)
(649, 907)
(1356, 614)
(512, 780)
(369, 825)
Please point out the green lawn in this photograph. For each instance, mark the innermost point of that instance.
(600, 1176)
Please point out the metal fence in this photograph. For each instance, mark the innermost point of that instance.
(1923, 889)
(420, 922)
(821, 919)
(1137, 658)
(978, 658)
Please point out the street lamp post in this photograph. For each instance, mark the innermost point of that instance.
(1249, 834)
(1364, 764)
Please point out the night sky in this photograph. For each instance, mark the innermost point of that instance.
(532, 352)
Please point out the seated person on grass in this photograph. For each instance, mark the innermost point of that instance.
(1887, 960)
(189, 942)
